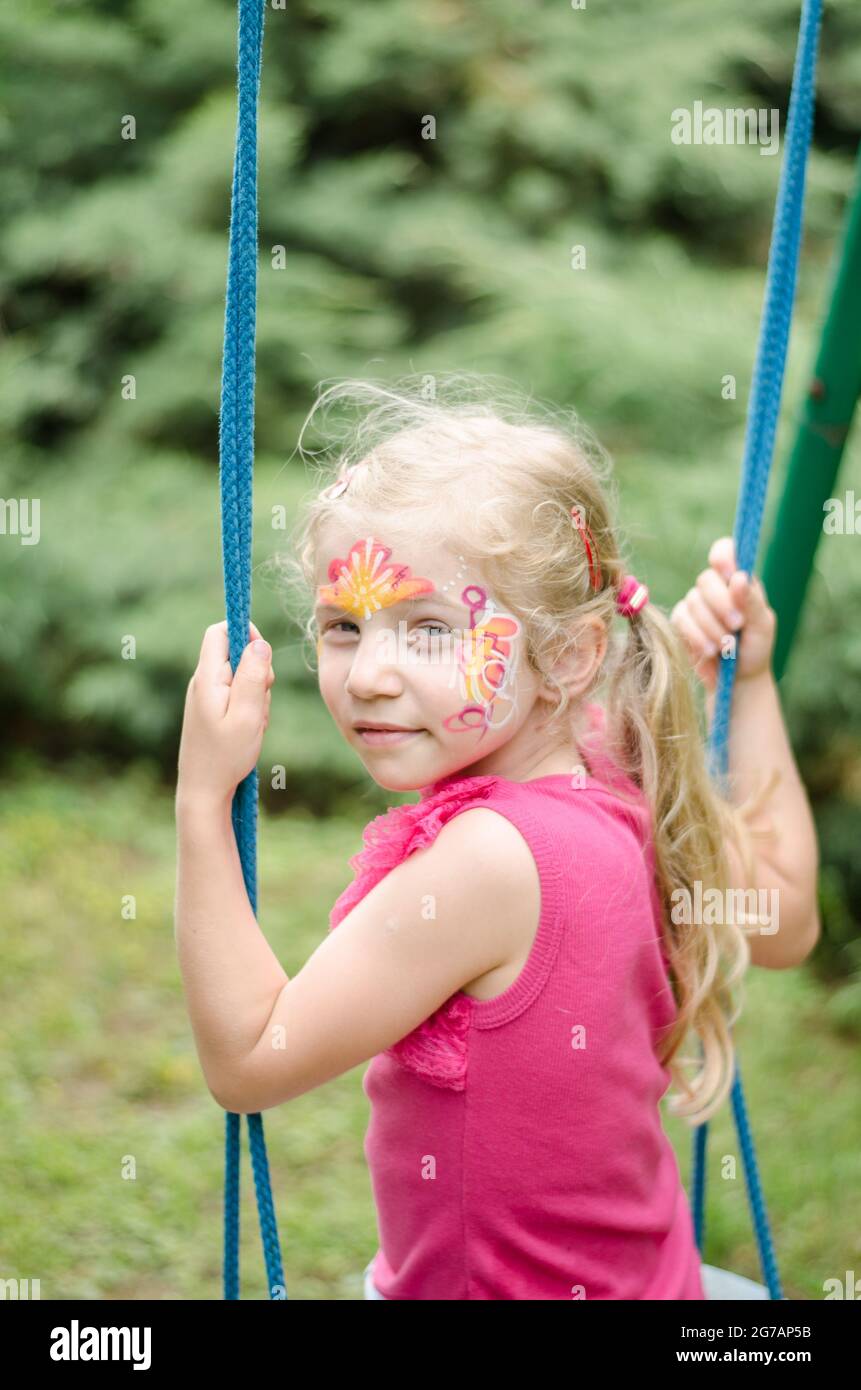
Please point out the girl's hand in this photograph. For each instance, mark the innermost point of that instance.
(724, 602)
(226, 716)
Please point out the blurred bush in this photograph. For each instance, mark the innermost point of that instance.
(383, 252)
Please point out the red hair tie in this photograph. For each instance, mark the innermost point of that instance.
(591, 547)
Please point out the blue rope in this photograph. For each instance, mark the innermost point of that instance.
(236, 467)
(763, 409)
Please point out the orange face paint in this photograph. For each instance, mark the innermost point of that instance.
(364, 582)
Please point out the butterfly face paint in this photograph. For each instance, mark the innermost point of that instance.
(485, 665)
(433, 657)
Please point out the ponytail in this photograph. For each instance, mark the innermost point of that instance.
(654, 734)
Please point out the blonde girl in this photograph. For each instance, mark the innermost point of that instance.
(525, 950)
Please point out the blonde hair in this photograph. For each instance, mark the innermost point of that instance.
(506, 471)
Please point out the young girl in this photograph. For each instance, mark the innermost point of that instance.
(524, 950)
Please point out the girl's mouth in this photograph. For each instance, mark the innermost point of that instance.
(379, 738)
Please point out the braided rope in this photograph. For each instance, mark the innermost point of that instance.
(236, 468)
(763, 410)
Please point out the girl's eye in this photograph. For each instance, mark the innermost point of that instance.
(347, 622)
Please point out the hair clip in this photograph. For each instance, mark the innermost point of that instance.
(337, 488)
(632, 597)
(591, 547)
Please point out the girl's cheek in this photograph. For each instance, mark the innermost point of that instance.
(448, 689)
(326, 671)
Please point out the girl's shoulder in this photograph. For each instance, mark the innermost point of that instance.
(436, 1051)
(402, 830)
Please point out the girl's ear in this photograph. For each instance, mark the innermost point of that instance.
(580, 664)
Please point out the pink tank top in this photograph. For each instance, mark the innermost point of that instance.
(515, 1144)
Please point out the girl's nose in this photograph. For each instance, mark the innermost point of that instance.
(375, 667)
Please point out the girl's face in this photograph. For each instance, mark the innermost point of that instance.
(410, 636)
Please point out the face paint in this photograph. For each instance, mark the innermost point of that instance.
(364, 583)
(485, 664)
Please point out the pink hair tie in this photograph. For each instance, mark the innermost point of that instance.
(632, 597)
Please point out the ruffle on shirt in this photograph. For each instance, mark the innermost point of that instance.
(437, 1049)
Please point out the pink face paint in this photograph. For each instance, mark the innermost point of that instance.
(364, 583)
(485, 662)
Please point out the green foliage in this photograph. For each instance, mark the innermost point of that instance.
(400, 253)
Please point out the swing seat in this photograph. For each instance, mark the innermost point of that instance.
(370, 1290)
(723, 1284)
(718, 1284)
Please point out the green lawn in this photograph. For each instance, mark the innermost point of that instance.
(112, 1162)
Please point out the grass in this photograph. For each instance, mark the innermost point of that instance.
(112, 1164)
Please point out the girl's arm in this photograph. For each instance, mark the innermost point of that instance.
(229, 971)
(446, 915)
(761, 763)
(787, 855)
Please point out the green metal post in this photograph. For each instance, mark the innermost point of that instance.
(819, 444)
